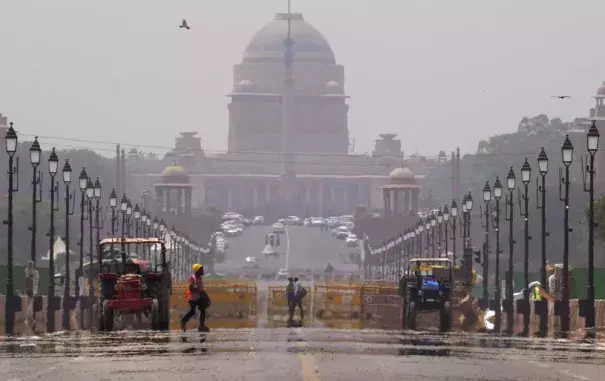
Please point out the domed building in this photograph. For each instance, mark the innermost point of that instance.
(173, 192)
(400, 194)
(319, 111)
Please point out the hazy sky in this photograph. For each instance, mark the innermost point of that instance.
(439, 73)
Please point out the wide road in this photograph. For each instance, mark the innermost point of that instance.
(297, 354)
(301, 247)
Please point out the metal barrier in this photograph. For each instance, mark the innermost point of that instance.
(233, 305)
(381, 306)
(337, 301)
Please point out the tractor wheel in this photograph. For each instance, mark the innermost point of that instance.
(107, 316)
(445, 317)
(411, 315)
(154, 315)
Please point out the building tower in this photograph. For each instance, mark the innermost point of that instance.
(288, 157)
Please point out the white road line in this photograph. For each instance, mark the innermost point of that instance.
(47, 371)
(564, 371)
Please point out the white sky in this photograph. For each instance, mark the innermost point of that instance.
(439, 73)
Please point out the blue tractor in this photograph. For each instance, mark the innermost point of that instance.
(428, 286)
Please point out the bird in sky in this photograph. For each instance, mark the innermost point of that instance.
(184, 25)
(561, 96)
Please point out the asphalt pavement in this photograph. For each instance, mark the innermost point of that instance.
(296, 354)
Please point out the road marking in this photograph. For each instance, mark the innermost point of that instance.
(308, 367)
(48, 370)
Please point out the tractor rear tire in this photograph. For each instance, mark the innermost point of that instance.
(107, 316)
(410, 317)
(154, 315)
(445, 317)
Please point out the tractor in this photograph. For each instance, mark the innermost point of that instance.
(131, 286)
(428, 286)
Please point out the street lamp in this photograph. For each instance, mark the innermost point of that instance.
(53, 166)
(137, 217)
(454, 213)
(446, 219)
(90, 195)
(34, 158)
(128, 221)
(98, 222)
(525, 178)
(497, 296)
(82, 180)
(66, 324)
(567, 158)
(123, 209)
(113, 203)
(487, 197)
(510, 203)
(10, 141)
(592, 144)
(440, 227)
(418, 233)
(543, 304)
(433, 223)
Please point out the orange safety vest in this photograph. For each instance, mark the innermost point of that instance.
(199, 285)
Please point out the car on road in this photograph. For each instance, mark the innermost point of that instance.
(281, 274)
(351, 240)
(342, 234)
(251, 263)
(292, 220)
(340, 231)
(279, 227)
(316, 221)
(258, 220)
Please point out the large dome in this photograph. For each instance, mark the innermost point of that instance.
(267, 45)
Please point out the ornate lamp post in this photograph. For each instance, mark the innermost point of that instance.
(592, 144)
(144, 228)
(440, 232)
(497, 294)
(487, 197)
(123, 208)
(11, 148)
(525, 178)
(137, 217)
(433, 224)
(128, 223)
(82, 181)
(469, 208)
(427, 228)
(454, 213)
(99, 222)
(543, 168)
(567, 158)
(509, 215)
(446, 219)
(34, 158)
(418, 233)
(67, 306)
(90, 194)
(53, 167)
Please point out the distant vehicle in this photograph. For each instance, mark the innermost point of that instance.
(339, 230)
(232, 216)
(292, 220)
(281, 274)
(279, 227)
(315, 221)
(307, 222)
(351, 240)
(251, 263)
(342, 234)
(258, 220)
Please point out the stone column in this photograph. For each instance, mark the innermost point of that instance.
(168, 192)
(415, 200)
(256, 200)
(385, 199)
(179, 203)
(406, 202)
(345, 198)
(229, 197)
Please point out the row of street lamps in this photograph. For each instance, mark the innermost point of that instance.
(90, 202)
(409, 243)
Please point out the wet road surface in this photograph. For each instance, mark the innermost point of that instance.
(307, 354)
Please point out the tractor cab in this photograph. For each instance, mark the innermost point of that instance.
(428, 286)
(130, 285)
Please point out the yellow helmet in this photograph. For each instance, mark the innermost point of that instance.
(196, 267)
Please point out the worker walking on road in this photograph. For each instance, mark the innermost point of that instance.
(197, 298)
(291, 298)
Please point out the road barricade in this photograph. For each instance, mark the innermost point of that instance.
(233, 304)
(381, 306)
(277, 305)
(337, 302)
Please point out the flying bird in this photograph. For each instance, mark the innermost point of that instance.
(561, 96)
(184, 25)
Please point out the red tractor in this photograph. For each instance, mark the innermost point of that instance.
(131, 286)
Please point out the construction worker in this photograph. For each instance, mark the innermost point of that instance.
(197, 298)
(291, 297)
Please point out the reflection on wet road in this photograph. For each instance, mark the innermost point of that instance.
(313, 354)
